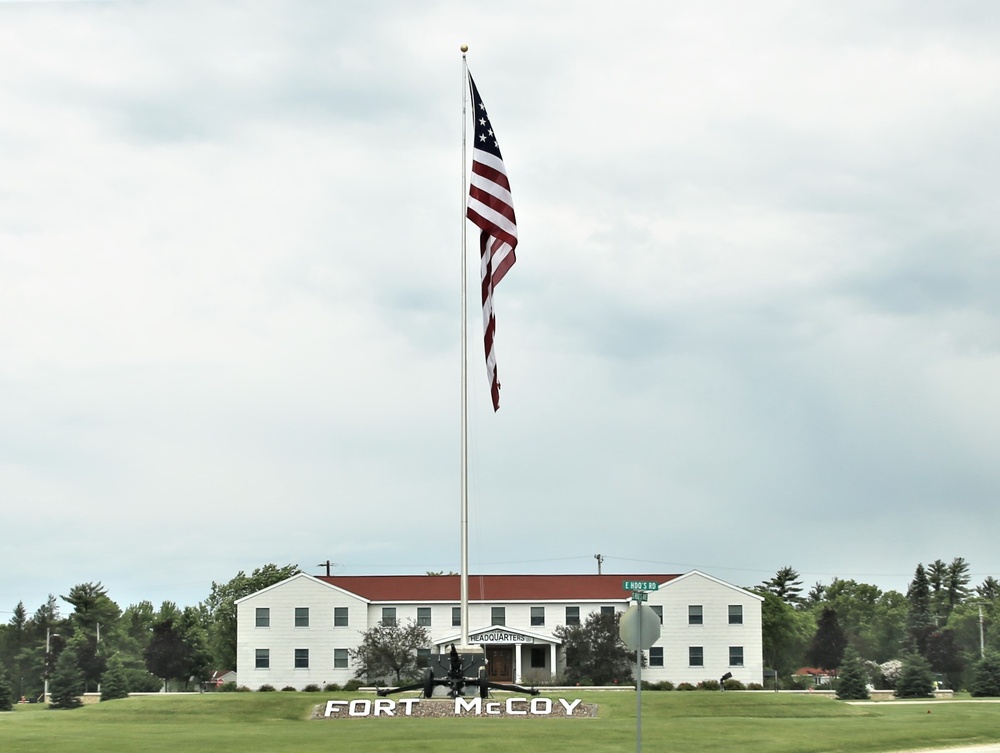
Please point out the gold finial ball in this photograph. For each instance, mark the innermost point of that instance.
(465, 48)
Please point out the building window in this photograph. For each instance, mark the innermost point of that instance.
(607, 610)
(340, 658)
(658, 608)
(537, 616)
(424, 616)
(389, 616)
(301, 616)
(735, 614)
(423, 657)
(656, 656)
(302, 658)
(456, 616)
(572, 615)
(736, 656)
(498, 615)
(340, 616)
(262, 658)
(538, 654)
(696, 656)
(694, 614)
(263, 617)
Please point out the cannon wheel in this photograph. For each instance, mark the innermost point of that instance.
(428, 682)
(484, 684)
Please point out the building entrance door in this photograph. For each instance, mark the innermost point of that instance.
(500, 663)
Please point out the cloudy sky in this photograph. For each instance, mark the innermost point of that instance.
(754, 320)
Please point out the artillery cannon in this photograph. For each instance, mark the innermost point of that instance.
(456, 681)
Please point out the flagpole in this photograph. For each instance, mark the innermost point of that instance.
(465, 384)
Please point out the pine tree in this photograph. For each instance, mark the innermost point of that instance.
(113, 684)
(986, 677)
(919, 620)
(66, 682)
(6, 693)
(852, 683)
(915, 678)
(827, 648)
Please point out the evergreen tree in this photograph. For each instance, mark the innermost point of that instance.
(852, 682)
(986, 677)
(826, 650)
(919, 620)
(66, 682)
(6, 693)
(786, 585)
(113, 685)
(989, 589)
(915, 678)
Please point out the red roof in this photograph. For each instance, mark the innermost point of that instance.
(489, 587)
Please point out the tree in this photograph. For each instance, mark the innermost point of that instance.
(986, 676)
(915, 678)
(786, 585)
(91, 606)
(826, 650)
(852, 682)
(221, 606)
(595, 650)
(785, 632)
(6, 693)
(919, 620)
(944, 657)
(66, 682)
(390, 649)
(989, 589)
(166, 655)
(113, 684)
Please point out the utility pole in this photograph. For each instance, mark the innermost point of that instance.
(600, 560)
(328, 565)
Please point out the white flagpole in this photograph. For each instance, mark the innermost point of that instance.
(465, 387)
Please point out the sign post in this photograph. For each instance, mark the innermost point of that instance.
(639, 629)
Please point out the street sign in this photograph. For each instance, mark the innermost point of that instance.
(639, 627)
(641, 585)
(640, 596)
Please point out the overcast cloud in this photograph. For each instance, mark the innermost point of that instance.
(754, 320)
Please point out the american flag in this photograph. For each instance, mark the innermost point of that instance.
(491, 209)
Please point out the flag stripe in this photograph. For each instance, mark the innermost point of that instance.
(491, 208)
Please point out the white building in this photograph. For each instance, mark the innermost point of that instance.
(300, 631)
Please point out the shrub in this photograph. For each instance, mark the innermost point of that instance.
(244, 689)
(352, 685)
(664, 685)
(331, 687)
(685, 686)
(733, 684)
(755, 686)
(289, 688)
(228, 687)
(535, 677)
(709, 685)
(311, 688)
(140, 681)
(265, 689)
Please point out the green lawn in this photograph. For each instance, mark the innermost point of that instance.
(671, 721)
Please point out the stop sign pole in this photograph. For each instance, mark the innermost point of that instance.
(633, 634)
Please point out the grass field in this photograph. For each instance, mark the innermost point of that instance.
(688, 722)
